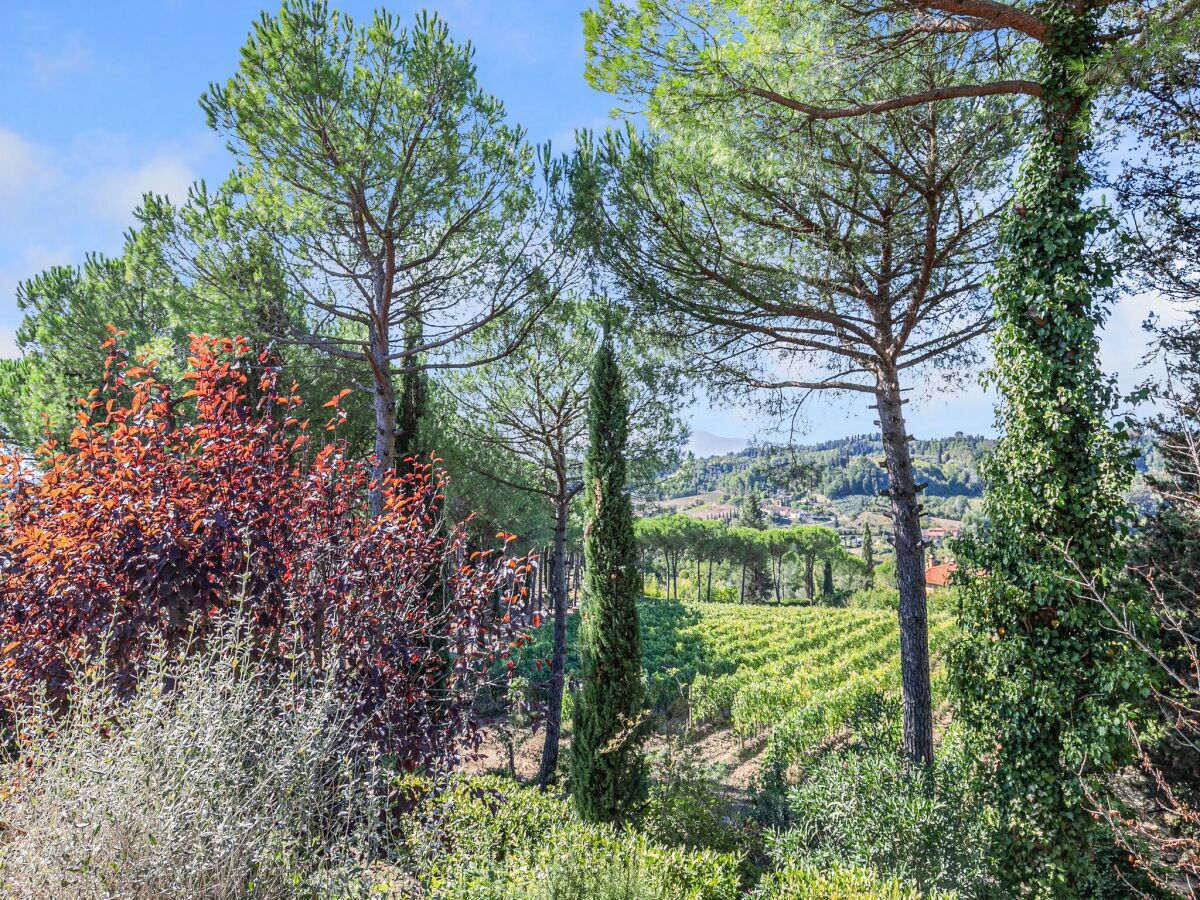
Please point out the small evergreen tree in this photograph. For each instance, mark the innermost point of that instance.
(608, 773)
(827, 579)
(757, 584)
(752, 515)
(868, 554)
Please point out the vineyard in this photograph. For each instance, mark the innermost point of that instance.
(789, 676)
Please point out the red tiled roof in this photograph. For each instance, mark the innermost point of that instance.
(939, 576)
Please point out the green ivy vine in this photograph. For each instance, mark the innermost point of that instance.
(1042, 682)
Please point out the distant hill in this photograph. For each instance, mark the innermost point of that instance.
(704, 444)
(838, 483)
(834, 469)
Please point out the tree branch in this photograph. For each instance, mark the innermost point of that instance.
(950, 92)
(1000, 15)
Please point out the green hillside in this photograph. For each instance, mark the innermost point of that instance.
(835, 482)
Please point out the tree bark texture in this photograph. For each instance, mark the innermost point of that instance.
(558, 661)
(910, 573)
(384, 400)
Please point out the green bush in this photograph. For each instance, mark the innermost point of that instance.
(487, 838)
(685, 807)
(868, 807)
(805, 882)
(874, 598)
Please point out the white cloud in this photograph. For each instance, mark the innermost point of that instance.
(8, 344)
(116, 194)
(79, 196)
(24, 167)
(51, 67)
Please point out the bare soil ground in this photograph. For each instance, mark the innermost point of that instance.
(737, 761)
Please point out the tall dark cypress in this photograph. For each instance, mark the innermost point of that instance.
(608, 772)
(868, 554)
(411, 403)
(752, 515)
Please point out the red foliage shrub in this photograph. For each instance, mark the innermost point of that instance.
(166, 514)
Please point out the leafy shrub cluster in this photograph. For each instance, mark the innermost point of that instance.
(867, 807)
(486, 838)
(806, 882)
(167, 512)
(214, 781)
(686, 808)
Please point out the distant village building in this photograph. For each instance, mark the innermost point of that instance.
(939, 576)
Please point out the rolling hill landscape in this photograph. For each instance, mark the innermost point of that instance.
(835, 483)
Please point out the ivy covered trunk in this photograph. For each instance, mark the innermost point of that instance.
(558, 658)
(1040, 681)
(608, 772)
(910, 571)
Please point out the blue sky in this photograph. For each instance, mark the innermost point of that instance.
(99, 104)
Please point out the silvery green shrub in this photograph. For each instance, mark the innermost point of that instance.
(210, 782)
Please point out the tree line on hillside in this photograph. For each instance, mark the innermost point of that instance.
(841, 197)
(835, 469)
(679, 539)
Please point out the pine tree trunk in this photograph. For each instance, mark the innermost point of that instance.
(384, 400)
(810, 587)
(910, 573)
(558, 661)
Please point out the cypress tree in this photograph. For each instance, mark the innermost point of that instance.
(608, 774)
(827, 579)
(752, 515)
(868, 554)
